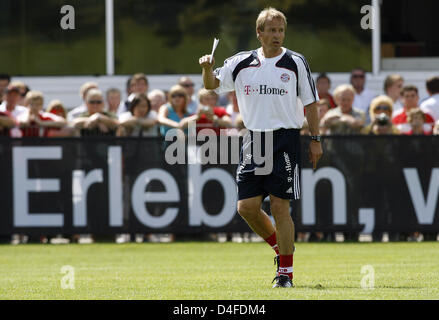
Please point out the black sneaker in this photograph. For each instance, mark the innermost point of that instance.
(282, 281)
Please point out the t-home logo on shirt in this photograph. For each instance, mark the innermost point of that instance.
(264, 89)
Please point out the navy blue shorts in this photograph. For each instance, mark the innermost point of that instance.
(283, 179)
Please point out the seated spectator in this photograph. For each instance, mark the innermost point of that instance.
(174, 114)
(410, 99)
(157, 98)
(83, 91)
(431, 105)
(10, 104)
(5, 79)
(189, 86)
(56, 107)
(96, 121)
(140, 121)
(392, 88)
(381, 124)
(363, 96)
(344, 119)
(323, 84)
(416, 118)
(211, 116)
(35, 122)
(114, 101)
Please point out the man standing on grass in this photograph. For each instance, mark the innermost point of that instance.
(268, 82)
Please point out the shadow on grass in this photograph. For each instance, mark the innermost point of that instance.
(322, 287)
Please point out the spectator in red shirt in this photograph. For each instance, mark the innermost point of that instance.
(323, 84)
(416, 119)
(35, 122)
(56, 107)
(410, 100)
(211, 116)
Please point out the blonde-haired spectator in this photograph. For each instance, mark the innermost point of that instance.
(344, 119)
(35, 122)
(174, 114)
(83, 91)
(380, 112)
(392, 88)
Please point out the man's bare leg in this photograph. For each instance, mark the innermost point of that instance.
(250, 210)
(280, 209)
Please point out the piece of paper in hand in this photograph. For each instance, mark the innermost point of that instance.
(215, 43)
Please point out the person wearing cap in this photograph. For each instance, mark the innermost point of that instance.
(10, 104)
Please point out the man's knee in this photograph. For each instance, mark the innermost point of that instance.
(249, 208)
(280, 208)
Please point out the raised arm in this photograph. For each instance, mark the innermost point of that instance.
(209, 80)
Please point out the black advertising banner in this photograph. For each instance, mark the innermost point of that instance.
(105, 185)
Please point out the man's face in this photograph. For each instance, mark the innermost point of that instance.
(358, 78)
(346, 99)
(394, 91)
(323, 85)
(140, 86)
(12, 98)
(113, 100)
(410, 99)
(188, 85)
(95, 104)
(273, 35)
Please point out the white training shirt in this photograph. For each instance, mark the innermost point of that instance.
(271, 92)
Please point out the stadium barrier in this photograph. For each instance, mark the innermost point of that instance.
(103, 185)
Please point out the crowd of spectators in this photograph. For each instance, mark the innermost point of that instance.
(144, 113)
(351, 108)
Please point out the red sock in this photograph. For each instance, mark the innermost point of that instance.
(271, 240)
(286, 265)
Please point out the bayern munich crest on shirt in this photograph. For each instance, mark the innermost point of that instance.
(285, 77)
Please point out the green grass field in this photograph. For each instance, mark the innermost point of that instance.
(210, 270)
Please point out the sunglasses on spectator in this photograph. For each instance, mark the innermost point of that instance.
(179, 95)
(382, 108)
(95, 101)
(358, 76)
(188, 85)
